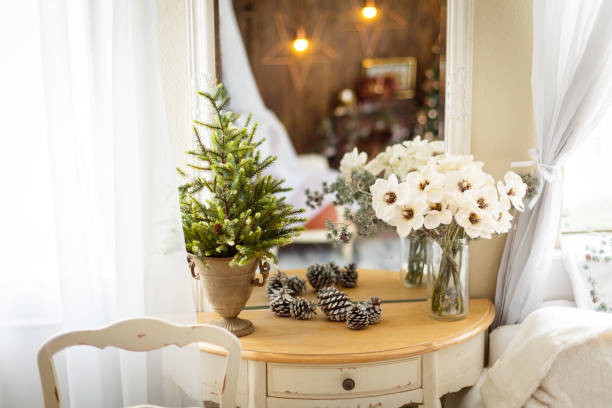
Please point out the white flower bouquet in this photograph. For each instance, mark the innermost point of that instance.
(414, 188)
(452, 200)
(352, 190)
(398, 159)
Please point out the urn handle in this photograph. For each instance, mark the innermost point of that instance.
(264, 270)
(192, 268)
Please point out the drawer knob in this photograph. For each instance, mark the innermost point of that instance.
(348, 384)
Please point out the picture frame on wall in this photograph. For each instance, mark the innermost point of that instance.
(396, 75)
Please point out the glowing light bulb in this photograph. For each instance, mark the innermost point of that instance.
(300, 44)
(369, 12)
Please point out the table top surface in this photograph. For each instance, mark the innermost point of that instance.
(404, 330)
(384, 284)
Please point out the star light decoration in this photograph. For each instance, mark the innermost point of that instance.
(371, 28)
(300, 63)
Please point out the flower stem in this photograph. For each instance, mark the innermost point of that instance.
(448, 293)
(417, 259)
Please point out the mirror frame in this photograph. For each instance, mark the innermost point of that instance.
(202, 26)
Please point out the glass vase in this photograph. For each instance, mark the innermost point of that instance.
(413, 261)
(448, 279)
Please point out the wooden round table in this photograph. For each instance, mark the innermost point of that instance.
(407, 358)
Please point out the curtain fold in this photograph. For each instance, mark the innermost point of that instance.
(117, 235)
(239, 80)
(571, 88)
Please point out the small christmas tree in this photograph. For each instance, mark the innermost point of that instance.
(428, 120)
(243, 215)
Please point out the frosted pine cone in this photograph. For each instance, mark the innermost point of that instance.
(335, 270)
(334, 303)
(374, 308)
(275, 282)
(348, 277)
(296, 284)
(357, 317)
(302, 309)
(320, 276)
(280, 303)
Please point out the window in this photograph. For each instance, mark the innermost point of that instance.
(587, 189)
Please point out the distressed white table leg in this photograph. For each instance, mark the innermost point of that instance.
(430, 381)
(257, 384)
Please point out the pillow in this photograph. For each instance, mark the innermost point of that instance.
(588, 260)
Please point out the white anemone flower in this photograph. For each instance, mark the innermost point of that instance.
(484, 198)
(352, 161)
(514, 189)
(377, 165)
(386, 196)
(503, 221)
(467, 178)
(401, 162)
(428, 181)
(437, 146)
(380, 164)
(409, 216)
(476, 223)
(451, 162)
(419, 147)
(437, 213)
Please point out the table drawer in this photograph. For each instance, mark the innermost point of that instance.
(343, 380)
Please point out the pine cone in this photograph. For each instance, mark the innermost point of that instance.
(357, 317)
(334, 303)
(374, 308)
(320, 276)
(218, 229)
(296, 284)
(335, 270)
(280, 303)
(348, 278)
(302, 309)
(275, 282)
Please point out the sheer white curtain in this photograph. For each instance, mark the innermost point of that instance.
(92, 230)
(571, 88)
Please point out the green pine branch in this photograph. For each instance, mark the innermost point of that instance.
(243, 215)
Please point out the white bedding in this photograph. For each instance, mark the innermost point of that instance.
(544, 365)
(579, 377)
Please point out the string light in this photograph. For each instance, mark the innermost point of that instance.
(369, 11)
(300, 44)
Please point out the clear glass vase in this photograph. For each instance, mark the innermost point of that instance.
(448, 285)
(413, 258)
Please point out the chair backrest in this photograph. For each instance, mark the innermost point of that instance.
(141, 334)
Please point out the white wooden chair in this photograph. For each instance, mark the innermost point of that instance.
(141, 334)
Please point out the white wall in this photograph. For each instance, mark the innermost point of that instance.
(502, 117)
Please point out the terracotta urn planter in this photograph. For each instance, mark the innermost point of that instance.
(228, 288)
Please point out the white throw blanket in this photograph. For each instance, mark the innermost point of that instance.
(544, 334)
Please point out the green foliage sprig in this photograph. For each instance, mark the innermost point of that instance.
(241, 214)
(351, 195)
(533, 185)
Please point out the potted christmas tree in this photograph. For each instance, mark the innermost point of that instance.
(232, 213)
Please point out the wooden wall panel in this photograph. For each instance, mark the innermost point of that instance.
(301, 111)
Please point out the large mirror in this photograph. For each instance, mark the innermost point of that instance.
(325, 76)
(346, 73)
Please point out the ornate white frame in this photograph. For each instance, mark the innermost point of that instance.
(459, 55)
(459, 59)
(201, 59)
(458, 94)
